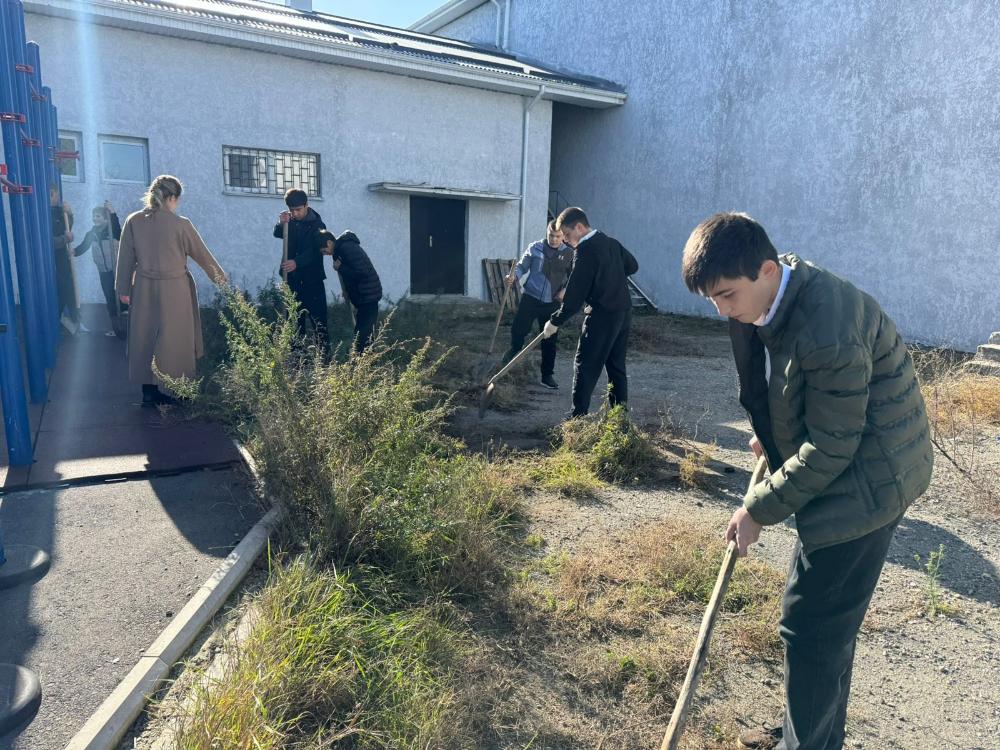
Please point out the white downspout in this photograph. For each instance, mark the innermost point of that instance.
(497, 4)
(525, 121)
(506, 26)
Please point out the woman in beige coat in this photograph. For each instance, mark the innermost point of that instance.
(153, 279)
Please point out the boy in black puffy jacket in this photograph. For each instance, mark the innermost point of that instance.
(362, 286)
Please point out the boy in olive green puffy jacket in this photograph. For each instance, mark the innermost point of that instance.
(836, 409)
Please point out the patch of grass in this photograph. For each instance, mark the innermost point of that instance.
(534, 541)
(634, 583)
(564, 473)
(612, 447)
(934, 603)
(639, 671)
(692, 465)
(325, 665)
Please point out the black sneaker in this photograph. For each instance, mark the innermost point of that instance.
(763, 738)
(549, 382)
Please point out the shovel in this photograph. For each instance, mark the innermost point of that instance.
(487, 396)
(679, 717)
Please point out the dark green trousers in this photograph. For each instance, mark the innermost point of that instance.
(826, 598)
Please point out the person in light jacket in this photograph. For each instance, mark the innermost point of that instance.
(546, 264)
(102, 241)
(152, 277)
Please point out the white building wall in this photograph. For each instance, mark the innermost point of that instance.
(863, 135)
(189, 98)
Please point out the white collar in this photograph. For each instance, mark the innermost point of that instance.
(786, 273)
(587, 236)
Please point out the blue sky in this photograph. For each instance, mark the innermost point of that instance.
(391, 12)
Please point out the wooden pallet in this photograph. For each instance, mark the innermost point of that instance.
(495, 270)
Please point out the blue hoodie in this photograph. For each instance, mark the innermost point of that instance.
(547, 269)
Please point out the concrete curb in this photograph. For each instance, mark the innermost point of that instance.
(106, 726)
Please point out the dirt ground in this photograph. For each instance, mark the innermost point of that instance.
(918, 682)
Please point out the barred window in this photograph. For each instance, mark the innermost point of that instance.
(258, 171)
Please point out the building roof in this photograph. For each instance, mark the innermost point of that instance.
(332, 39)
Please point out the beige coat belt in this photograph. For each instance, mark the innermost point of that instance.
(160, 275)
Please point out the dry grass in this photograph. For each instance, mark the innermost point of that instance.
(597, 643)
(692, 465)
(964, 413)
(633, 584)
(676, 335)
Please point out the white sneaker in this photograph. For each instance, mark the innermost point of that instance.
(82, 328)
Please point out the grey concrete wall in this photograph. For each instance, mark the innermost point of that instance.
(189, 98)
(863, 135)
(478, 26)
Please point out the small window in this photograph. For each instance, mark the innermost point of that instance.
(256, 171)
(70, 167)
(124, 160)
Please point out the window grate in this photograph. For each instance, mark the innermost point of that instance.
(258, 171)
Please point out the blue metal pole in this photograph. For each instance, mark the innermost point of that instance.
(38, 123)
(31, 157)
(23, 207)
(16, 425)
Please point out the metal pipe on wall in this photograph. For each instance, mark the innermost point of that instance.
(496, 3)
(525, 125)
(506, 26)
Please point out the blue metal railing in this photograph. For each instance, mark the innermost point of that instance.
(29, 332)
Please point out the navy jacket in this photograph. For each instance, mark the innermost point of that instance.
(361, 282)
(303, 248)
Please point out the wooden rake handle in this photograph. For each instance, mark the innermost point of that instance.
(676, 727)
(284, 250)
(517, 358)
(503, 305)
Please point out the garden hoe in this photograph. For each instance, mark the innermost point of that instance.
(487, 396)
(679, 717)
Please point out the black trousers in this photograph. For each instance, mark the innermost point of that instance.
(64, 286)
(603, 344)
(826, 598)
(530, 310)
(365, 319)
(312, 297)
(108, 287)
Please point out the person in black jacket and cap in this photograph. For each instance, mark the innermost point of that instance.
(304, 265)
(362, 286)
(601, 267)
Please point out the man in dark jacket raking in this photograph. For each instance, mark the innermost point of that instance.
(836, 410)
(547, 264)
(362, 286)
(601, 267)
(304, 265)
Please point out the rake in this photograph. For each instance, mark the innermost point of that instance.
(487, 396)
(698, 658)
